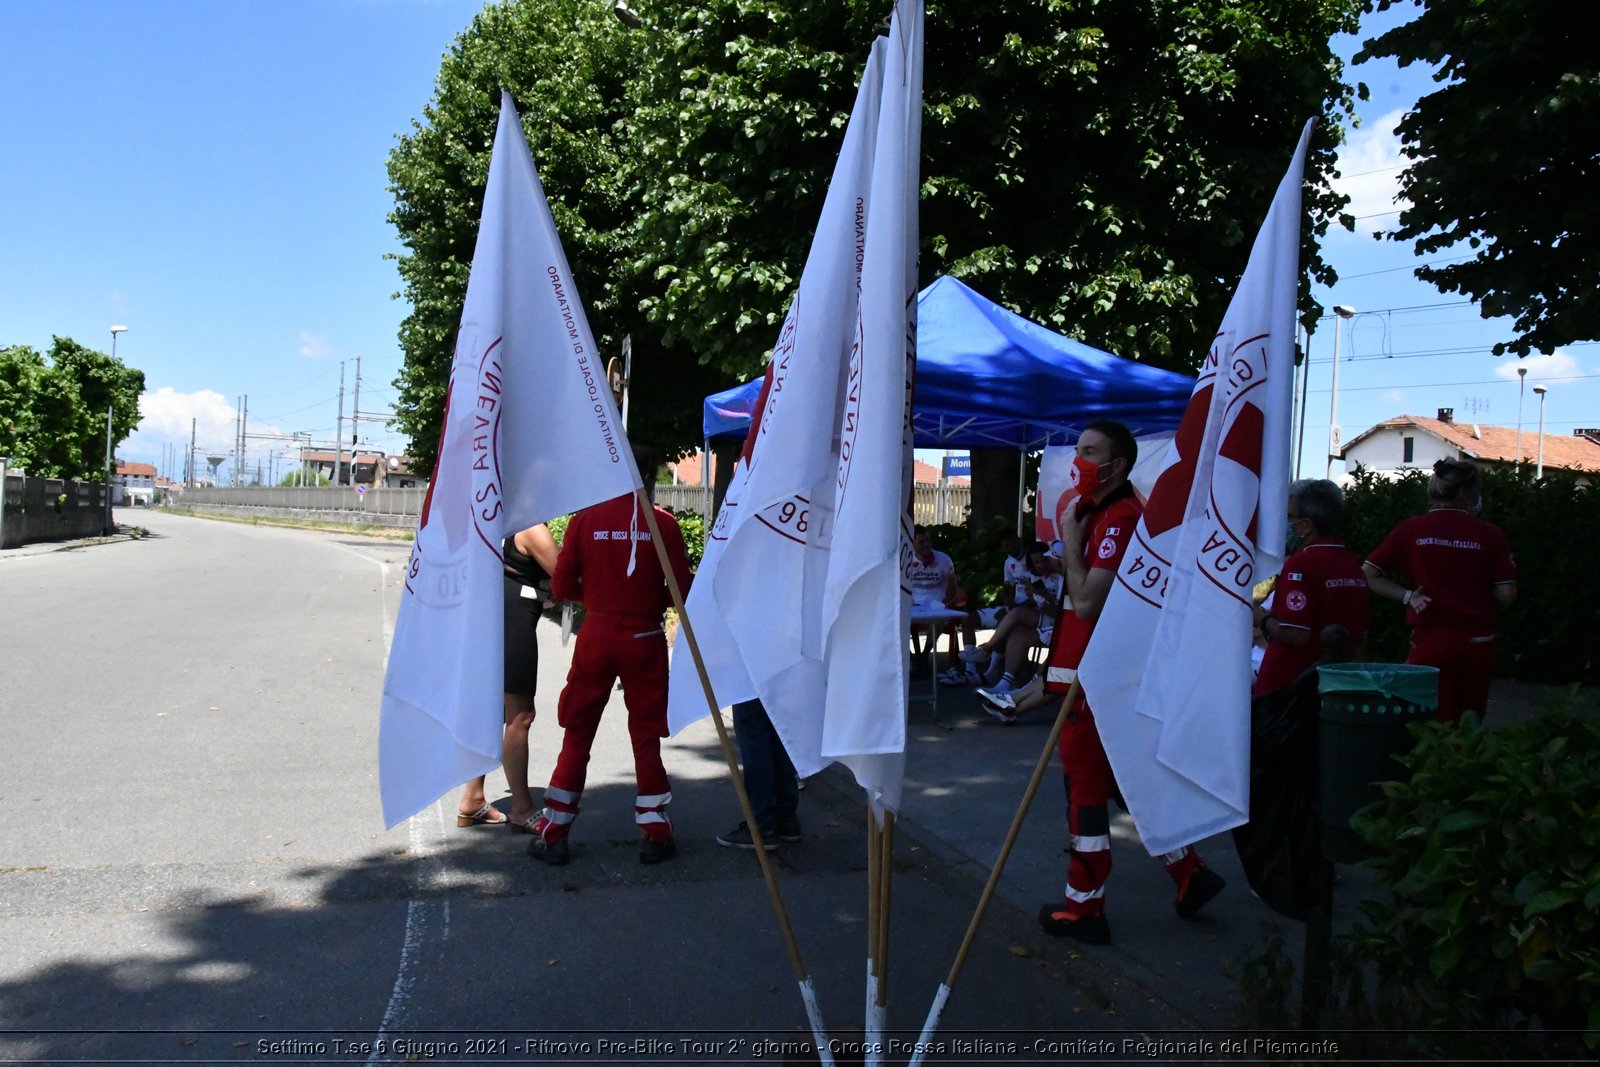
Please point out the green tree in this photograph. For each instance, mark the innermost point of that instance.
(304, 476)
(1099, 167)
(568, 65)
(21, 371)
(101, 383)
(53, 414)
(1503, 157)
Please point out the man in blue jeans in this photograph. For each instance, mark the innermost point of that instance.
(769, 779)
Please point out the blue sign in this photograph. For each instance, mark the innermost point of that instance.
(958, 465)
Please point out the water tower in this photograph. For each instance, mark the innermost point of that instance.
(215, 462)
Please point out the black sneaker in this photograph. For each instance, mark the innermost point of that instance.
(789, 828)
(1090, 929)
(1204, 884)
(656, 849)
(740, 837)
(556, 853)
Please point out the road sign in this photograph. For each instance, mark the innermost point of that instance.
(361, 490)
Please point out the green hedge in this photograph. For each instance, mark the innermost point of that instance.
(1485, 931)
(690, 523)
(1549, 635)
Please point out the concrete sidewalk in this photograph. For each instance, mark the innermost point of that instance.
(966, 774)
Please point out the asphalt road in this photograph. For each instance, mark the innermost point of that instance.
(193, 865)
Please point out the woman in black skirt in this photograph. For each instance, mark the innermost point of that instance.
(530, 556)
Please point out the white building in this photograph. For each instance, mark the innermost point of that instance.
(1413, 441)
(135, 483)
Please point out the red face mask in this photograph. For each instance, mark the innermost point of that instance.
(1085, 477)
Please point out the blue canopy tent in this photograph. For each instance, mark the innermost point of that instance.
(989, 378)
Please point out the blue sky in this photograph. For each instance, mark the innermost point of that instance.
(210, 173)
(1411, 349)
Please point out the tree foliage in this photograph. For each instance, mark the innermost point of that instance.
(1100, 167)
(568, 64)
(53, 411)
(1504, 157)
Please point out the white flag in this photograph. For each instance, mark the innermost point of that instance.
(817, 623)
(531, 432)
(866, 603)
(1167, 671)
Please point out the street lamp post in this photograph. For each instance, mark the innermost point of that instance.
(1522, 385)
(108, 528)
(1539, 391)
(1340, 312)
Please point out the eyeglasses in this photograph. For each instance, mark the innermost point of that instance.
(1296, 518)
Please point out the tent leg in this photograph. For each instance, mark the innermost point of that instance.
(705, 483)
(1022, 485)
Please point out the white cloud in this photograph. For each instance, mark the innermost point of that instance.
(1558, 364)
(314, 347)
(166, 417)
(1371, 163)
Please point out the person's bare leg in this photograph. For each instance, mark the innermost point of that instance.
(1030, 696)
(1017, 646)
(1002, 631)
(514, 756)
(472, 798)
(1022, 620)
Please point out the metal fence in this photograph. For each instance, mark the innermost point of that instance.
(328, 503)
(931, 504)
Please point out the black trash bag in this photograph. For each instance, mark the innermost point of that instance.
(1280, 847)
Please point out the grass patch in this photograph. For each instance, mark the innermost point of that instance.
(391, 533)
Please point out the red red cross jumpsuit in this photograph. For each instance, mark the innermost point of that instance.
(621, 637)
(1457, 559)
(1320, 585)
(1085, 769)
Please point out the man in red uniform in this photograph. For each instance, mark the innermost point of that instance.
(608, 564)
(1321, 585)
(1461, 575)
(1094, 537)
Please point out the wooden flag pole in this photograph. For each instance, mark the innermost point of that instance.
(807, 992)
(885, 894)
(880, 872)
(874, 917)
(943, 995)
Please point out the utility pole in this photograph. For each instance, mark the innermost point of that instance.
(338, 430)
(109, 527)
(1341, 312)
(355, 413)
(1522, 385)
(244, 437)
(188, 482)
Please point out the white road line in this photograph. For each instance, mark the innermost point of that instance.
(386, 625)
(421, 915)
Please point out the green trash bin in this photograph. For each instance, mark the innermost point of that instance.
(1366, 710)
